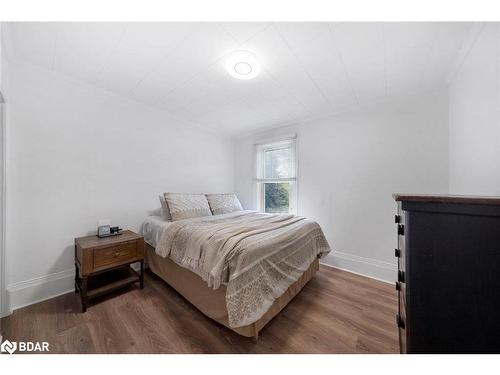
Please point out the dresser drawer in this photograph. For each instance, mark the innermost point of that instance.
(402, 340)
(400, 253)
(400, 230)
(401, 288)
(401, 322)
(115, 255)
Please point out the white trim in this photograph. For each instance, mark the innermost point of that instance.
(41, 288)
(469, 42)
(4, 306)
(277, 138)
(258, 182)
(356, 273)
(369, 267)
(270, 180)
(294, 204)
(6, 41)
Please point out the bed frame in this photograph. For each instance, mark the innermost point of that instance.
(212, 302)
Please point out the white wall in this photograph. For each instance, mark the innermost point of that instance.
(78, 154)
(1, 55)
(4, 64)
(3, 120)
(475, 118)
(349, 167)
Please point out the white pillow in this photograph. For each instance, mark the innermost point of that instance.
(186, 206)
(224, 203)
(165, 212)
(157, 212)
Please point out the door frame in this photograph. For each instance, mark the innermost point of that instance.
(4, 310)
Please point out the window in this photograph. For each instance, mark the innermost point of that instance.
(276, 176)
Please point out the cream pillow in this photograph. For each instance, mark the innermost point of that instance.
(165, 212)
(186, 206)
(224, 203)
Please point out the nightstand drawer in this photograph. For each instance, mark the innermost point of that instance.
(115, 254)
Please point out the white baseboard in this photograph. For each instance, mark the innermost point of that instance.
(39, 289)
(373, 268)
(5, 308)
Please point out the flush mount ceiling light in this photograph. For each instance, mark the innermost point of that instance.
(242, 65)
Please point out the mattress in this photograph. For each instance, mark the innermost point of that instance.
(152, 229)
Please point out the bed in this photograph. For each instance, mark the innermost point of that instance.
(239, 269)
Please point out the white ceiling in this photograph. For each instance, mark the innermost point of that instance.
(308, 69)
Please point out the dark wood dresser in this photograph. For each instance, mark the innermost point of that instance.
(448, 274)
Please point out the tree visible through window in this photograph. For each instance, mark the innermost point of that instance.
(276, 176)
(277, 197)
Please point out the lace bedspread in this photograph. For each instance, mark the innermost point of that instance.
(257, 256)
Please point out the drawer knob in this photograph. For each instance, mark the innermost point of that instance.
(397, 253)
(401, 276)
(117, 254)
(401, 229)
(400, 322)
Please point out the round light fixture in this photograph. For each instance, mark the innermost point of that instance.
(242, 65)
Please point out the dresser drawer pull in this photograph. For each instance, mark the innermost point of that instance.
(397, 219)
(398, 286)
(401, 229)
(397, 253)
(401, 276)
(117, 254)
(400, 322)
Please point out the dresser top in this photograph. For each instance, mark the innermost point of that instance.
(445, 198)
(94, 241)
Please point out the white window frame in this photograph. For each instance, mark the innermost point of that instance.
(259, 181)
(4, 309)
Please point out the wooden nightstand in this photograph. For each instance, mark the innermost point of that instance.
(103, 264)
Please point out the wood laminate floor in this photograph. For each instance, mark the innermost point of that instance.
(336, 312)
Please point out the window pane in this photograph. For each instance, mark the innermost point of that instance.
(277, 197)
(277, 163)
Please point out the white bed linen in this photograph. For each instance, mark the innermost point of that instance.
(152, 228)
